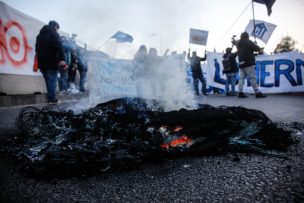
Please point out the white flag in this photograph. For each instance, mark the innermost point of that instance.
(262, 31)
(198, 36)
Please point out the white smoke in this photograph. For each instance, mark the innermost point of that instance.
(172, 86)
(110, 79)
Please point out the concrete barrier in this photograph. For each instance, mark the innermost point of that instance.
(25, 99)
(21, 84)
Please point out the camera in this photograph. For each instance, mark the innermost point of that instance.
(234, 41)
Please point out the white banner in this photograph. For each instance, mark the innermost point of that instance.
(275, 73)
(18, 36)
(262, 31)
(198, 37)
(118, 78)
(18, 33)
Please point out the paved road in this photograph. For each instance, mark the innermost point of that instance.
(280, 108)
(219, 178)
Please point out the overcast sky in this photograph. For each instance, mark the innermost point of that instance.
(164, 23)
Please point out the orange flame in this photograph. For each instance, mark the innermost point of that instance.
(177, 142)
(177, 128)
(164, 145)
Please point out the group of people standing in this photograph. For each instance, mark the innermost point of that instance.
(61, 55)
(246, 50)
(57, 54)
(76, 59)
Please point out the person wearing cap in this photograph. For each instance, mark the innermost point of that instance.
(50, 57)
(246, 49)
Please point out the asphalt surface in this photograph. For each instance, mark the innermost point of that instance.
(237, 177)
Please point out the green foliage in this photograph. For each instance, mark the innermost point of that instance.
(287, 44)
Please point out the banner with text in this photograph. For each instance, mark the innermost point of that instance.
(275, 73)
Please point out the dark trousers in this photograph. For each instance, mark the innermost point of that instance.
(200, 78)
(82, 79)
(63, 80)
(72, 75)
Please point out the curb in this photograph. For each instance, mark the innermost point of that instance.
(28, 99)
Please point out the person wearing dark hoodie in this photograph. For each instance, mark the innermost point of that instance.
(245, 50)
(50, 57)
(197, 73)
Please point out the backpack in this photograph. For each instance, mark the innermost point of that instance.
(226, 64)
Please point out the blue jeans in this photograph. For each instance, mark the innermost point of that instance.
(201, 78)
(230, 80)
(50, 77)
(82, 80)
(63, 80)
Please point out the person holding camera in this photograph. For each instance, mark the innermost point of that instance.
(246, 49)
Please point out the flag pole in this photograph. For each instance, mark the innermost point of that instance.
(189, 41)
(114, 52)
(259, 73)
(103, 44)
(253, 21)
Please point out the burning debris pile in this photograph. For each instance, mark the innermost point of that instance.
(125, 131)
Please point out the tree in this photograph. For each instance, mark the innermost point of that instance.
(287, 44)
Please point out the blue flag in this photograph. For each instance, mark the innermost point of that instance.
(268, 3)
(122, 37)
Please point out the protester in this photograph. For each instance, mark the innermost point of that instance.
(50, 57)
(197, 73)
(246, 49)
(82, 68)
(63, 80)
(140, 68)
(231, 70)
(72, 72)
(153, 74)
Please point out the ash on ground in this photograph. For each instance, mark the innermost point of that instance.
(125, 132)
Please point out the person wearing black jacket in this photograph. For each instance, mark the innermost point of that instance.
(231, 71)
(50, 57)
(197, 73)
(246, 49)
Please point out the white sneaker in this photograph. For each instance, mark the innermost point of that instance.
(73, 89)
